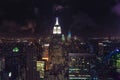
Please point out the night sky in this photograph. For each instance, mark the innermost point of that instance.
(82, 17)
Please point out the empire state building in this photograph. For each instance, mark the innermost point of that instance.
(56, 51)
(57, 27)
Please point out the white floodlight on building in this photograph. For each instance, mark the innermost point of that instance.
(57, 28)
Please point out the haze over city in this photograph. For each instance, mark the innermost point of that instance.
(59, 39)
(84, 18)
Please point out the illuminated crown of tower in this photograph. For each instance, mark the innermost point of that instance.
(57, 28)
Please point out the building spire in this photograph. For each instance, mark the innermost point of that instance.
(57, 23)
(57, 28)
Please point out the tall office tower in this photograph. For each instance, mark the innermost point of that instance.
(57, 27)
(81, 66)
(31, 71)
(56, 51)
(13, 59)
(56, 46)
(69, 36)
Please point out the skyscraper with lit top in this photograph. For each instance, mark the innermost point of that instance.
(56, 44)
(57, 28)
(57, 32)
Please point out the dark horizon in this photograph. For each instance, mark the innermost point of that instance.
(84, 18)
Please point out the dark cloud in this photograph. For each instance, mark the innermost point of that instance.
(116, 9)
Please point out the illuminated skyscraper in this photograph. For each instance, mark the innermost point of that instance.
(69, 36)
(57, 27)
(56, 44)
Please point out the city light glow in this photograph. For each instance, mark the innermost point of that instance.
(15, 49)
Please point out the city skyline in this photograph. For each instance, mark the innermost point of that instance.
(83, 18)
